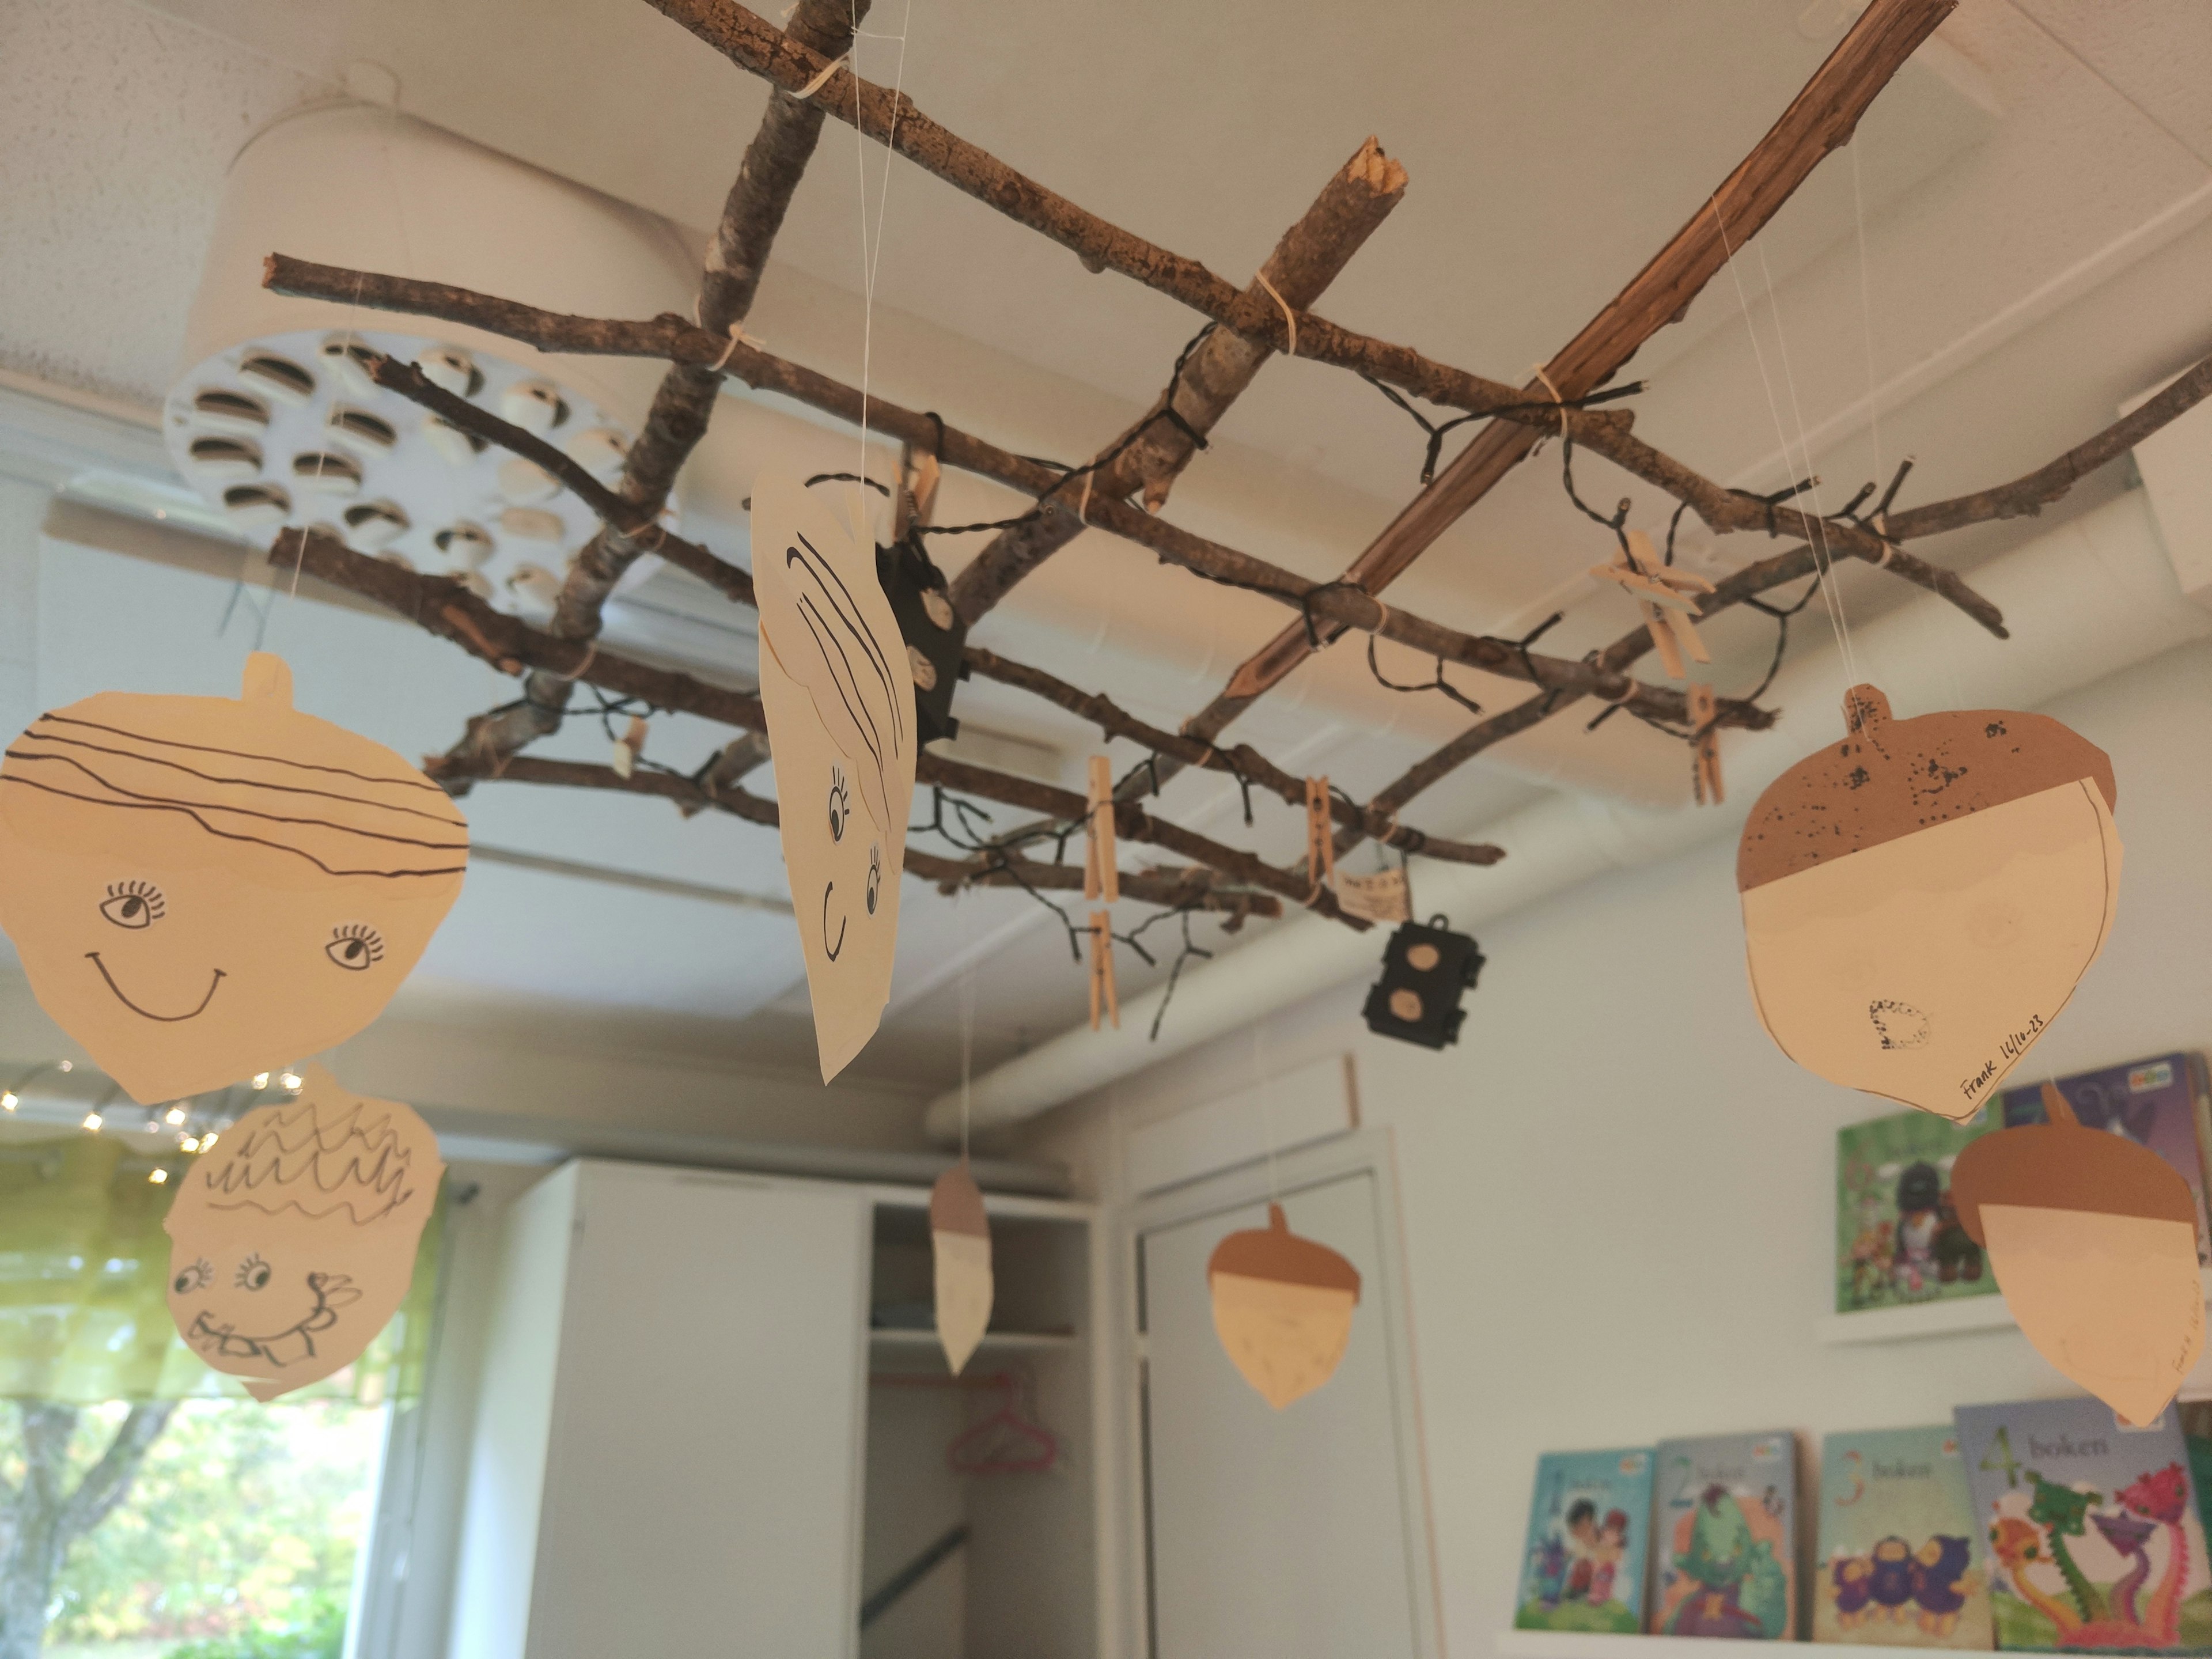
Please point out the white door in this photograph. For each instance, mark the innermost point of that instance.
(1290, 1534)
(703, 1469)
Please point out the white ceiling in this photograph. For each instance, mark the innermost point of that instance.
(2034, 196)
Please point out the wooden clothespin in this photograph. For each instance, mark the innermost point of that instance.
(1665, 593)
(917, 490)
(1101, 876)
(1320, 837)
(1705, 743)
(1102, 969)
(629, 746)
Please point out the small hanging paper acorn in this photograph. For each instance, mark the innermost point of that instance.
(1920, 900)
(2093, 1238)
(1282, 1306)
(960, 1246)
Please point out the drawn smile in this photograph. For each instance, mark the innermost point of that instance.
(296, 1342)
(147, 1012)
(830, 949)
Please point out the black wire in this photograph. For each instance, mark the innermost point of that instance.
(1166, 411)
(1436, 682)
(1437, 429)
(880, 487)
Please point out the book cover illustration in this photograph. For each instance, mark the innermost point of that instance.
(2159, 1103)
(1898, 1238)
(1589, 1536)
(2093, 1537)
(1723, 1531)
(1897, 1563)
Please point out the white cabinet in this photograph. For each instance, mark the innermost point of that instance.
(689, 1440)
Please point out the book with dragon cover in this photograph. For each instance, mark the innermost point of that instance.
(1589, 1536)
(1897, 1238)
(2164, 1103)
(1898, 1563)
(2091, 1529)
(1723, 1536)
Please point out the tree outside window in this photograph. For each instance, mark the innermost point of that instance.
(147, 1506)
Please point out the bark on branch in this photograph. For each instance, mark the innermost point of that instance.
(1147, 458)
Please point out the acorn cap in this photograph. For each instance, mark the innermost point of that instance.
(2060, 1166)
(1889, 778)
(1277, 1253)
(956, 1204)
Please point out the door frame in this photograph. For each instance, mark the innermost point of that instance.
(1371, 1152)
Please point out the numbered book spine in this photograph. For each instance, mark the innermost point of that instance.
(1724, 1512)
(2093, 1537)
(1899, 1564)
(1590, 1529)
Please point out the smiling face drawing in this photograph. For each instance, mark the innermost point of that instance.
(202, 889)
(839, 693)
(293, 1243)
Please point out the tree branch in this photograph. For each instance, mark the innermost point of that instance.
(108, 1481)
(1148, 456)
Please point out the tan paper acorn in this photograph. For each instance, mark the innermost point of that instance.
(1282, 1306)
(1920, 899)
(960, 1248)
(2092, 1239)
(203, 888)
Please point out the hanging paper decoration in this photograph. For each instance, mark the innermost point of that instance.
(1426, 969)
(1383, 896)
(292, 1243)
(840, 702)
(933, 633)
(202, 889)
(1282, 1306)
(2093, 1238)
(1920, 899)
(960, 1246)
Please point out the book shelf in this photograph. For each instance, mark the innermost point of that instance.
(1973, 1313)
(1578, 1644)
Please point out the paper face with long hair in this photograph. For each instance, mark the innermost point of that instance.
(960, 1252)
(291, 1245)
(1920, 899)
(202, 889)
(839, 693)
(1282, 1306)
(2092, 1239)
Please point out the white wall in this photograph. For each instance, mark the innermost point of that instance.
(1618, 1194)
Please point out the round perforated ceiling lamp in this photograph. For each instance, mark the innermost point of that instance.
(276, 424)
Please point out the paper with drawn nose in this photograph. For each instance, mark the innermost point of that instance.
(839, 694)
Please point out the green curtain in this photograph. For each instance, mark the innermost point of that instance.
(83, 1270)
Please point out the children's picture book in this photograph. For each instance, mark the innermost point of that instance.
(1898, 1238)
(2093, 1533)
(2164, 1103)
(1724, 1530)
(1590, 1532)
(1899, 1564)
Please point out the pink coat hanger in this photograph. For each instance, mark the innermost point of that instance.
(1006, 1441)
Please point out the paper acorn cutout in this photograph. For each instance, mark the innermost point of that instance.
(1920, 899)
(201, 888)
(1282, 1306)
(960, 1247)
(293, 1243)
(2093, 1238)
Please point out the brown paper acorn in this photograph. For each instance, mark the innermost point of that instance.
(1920, 899)
(1282, 1306)
(2093, 1238)
(960, 1246)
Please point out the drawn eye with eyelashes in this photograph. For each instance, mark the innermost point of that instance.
(253, 1272)
(355, 946)
(133, 904)
(875, 876)
(198, 1277)
(841, 803)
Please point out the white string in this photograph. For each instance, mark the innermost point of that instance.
(967, 1051)
(1825, 559)
(1774, 409)
(871, 255)
(1266, 1110)
(1866, 314)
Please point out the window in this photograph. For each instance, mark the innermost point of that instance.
(186, 1519)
